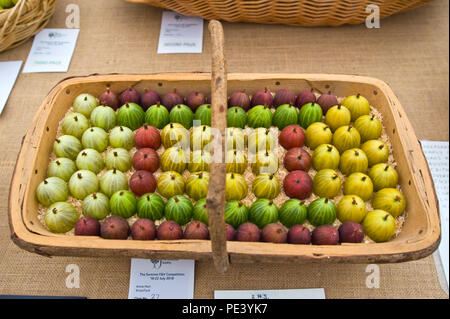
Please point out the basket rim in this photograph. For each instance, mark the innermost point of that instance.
(43, 244)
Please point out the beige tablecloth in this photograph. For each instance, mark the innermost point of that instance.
(410, 52)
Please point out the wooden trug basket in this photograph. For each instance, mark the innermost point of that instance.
(419, 237)
(308, 13)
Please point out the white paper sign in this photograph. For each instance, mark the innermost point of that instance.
(161, 279)
(180, 33)
(314, 293)
(8, 75)
(51, 51)
(437, 154)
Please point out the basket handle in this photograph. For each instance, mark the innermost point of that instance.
(215, 199)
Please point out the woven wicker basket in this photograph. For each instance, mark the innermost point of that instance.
(24, 20)
(292, 12)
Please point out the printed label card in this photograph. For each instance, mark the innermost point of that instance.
(161, 279)
(51, 51)
(180, 33)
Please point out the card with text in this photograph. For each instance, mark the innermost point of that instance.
(180, 33)
(51, 51)
(437, 155)
(161, 279)
(314, 293)
(8, 75)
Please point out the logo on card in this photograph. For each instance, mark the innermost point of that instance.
(156, 263)
(54, 35)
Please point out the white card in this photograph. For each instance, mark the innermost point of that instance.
(8, 75)
(180, 33)
(314, 293)
(161, 279)
(437, 154)
(51, 51)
